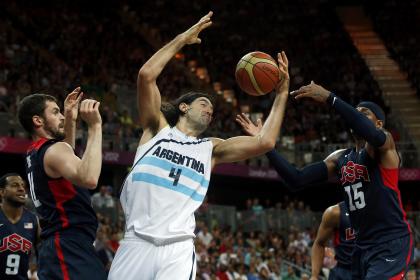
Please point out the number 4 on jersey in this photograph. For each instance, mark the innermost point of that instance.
(175, 173)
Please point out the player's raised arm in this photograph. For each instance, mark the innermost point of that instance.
(71, 110)
(60, 160)
(355, 119)
(244, 147)
(148, 95)
(295, 179)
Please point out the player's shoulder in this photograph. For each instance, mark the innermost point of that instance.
(334, 157)
(331, 215)
(58, 148)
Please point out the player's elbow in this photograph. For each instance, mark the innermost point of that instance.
(90, 182)
(267, 144)
(146, 74)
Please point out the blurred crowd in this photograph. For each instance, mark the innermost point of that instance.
(397, 23)
(102, 48)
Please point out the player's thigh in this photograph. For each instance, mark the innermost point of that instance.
(179, 262)
(357, 270)
(133, 260)
(390, 260)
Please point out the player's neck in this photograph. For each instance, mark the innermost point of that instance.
(41, 134)
(183, 126)
(12, 212)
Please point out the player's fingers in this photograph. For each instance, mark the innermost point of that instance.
(284, 57)
(302, 95)
(205, 25)
(297, 92)
(279, 58)
(240, 120)
(79, 97)
(246, 118)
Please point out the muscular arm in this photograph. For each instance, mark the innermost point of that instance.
(360, 124)
(244, 147)
(148, 95)
(60, 161)
(330, 221)
(297, 179)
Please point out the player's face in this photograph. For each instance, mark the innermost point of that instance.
(53, 121)
(14, 191)
(200, 113)
(370, 115)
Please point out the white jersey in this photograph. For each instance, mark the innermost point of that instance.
(166, 185)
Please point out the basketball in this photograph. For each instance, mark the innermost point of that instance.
(257, 73)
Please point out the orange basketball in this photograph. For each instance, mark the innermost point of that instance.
(257, 73)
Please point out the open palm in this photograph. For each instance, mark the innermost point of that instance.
(248, 126)
(191, 35)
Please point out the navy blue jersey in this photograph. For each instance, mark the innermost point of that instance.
(373, 198)
(344, 238)
(62, 207)
(16, 244)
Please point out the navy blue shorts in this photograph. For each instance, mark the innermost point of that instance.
(389, 260)
(69, 258)
(340, 273)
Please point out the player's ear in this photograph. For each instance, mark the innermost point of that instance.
(37, 121)
(183, 107)
(379, 124)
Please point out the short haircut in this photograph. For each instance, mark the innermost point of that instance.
(32, 105)
(3, 179)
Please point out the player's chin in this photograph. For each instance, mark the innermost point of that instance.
(20, 200)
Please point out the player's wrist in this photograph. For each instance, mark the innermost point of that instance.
(331, 98)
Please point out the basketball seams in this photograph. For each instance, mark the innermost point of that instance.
(260, 60)
(248, 80)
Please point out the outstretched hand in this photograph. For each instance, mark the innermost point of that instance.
(283, 85)
(191, 35)
(248, 126)
(314, 91)
(71, 103)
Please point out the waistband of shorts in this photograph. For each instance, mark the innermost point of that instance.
(134, 236)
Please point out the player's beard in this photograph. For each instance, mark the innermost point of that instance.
(55, 132)
(14, 203)
(197, 122)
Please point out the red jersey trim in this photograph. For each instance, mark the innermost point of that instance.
(63, 191)
(37, 144)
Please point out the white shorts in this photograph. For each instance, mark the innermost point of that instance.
(137, 259)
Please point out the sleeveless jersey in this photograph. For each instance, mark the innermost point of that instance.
(344, 237)
(62, 207)
(167, 183)
(16, 241)
(373, 198)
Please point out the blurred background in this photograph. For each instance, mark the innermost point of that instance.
(250, 225)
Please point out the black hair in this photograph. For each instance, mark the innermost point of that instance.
(32, 105)
(3, 179)
(171, 110)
